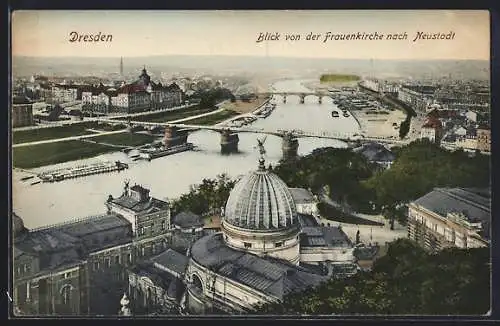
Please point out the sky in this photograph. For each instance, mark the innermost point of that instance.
(146, 33)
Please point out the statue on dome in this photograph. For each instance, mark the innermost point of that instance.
(262, 152)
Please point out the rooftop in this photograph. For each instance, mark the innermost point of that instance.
(324, 236)
(376, 152)
(160, 278)
(172, 260)
(143, 207)
(187, 220)
(301, 195)
(93, 224)
(267, 275)
(473, 203)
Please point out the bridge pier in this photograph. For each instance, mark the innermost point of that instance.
(320, 99)
(229, 142)
(174, 136)
(302, 99)
(289, 147)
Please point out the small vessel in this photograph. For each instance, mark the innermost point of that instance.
(27, 178)
(152, 153)
(335, 114)
(35, 183)
(346, 114)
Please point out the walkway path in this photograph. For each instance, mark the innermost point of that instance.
(48, 141)
(368, 233)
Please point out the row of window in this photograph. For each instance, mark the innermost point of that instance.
(23, 269)
(116, 260)
(142, 229)
(276, 244)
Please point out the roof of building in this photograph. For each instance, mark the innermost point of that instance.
(261, 201)
(424, 89)
(376, 152)
(473, 203)
(160, 278)
(93, 224)
(302, 196)
(172, 260)
(267, 275)
(324, 236)
(307, 220)
(187, 220)
(21, 100)
(432, 122)
(143, 207)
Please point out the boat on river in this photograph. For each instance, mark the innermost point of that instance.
(81, 171)
(152, 153)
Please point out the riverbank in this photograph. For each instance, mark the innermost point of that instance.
(53, 153)
(26, 136)
(384, 125)
(241, 107)
(214, 119)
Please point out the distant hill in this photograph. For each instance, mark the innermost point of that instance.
(224, 65)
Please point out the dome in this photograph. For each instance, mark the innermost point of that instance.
(261, 201)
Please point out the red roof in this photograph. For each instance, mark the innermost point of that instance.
(432, 122)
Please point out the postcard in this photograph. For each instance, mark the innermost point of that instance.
(246, 163)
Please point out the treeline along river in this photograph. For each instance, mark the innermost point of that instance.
(171, 176)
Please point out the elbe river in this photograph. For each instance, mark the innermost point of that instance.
(170, 176)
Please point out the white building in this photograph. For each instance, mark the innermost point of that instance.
(304, 201)
(451, 217)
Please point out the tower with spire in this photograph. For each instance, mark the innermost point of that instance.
(121, 66)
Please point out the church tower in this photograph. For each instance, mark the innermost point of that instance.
(121, 66)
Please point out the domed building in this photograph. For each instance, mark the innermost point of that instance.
(264, 251)
(261, 217)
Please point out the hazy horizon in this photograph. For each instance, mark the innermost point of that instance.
(135, 34)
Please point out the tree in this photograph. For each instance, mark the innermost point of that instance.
(407, 280)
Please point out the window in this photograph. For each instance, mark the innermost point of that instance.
(117, 259)
(66, 294)
(163, 225)
(278, 244)
(129, 258)
(96, 265)
(247, 244)
(107, 262)
(143, 251)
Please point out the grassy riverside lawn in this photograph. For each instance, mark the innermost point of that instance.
(328, 78)
(214, 118)
(125, 139)
(26, 136)
(173, 115)
(47, 154)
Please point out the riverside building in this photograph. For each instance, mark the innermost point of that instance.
(451, 217)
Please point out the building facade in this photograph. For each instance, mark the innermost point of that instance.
(57, 269)
(62, 93)
(435, 225)
(81, 267)
(22, 112)
(484, 139)
(418, 97)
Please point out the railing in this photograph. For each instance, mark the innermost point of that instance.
(72, 221)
